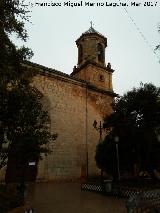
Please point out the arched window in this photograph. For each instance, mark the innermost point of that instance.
(80, 53)
(100, 50)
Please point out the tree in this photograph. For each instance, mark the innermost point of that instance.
(135, 121)
(158, 46)
(24, 125)
(106, 156)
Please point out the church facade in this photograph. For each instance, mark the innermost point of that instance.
(74, 102)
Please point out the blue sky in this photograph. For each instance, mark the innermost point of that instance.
(132, 36)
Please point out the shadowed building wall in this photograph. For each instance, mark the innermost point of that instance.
(74, 102)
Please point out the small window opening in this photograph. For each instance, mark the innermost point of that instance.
(80, 54)
(100, 50)
(101, 78)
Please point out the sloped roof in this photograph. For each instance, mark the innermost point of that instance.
(92, 31)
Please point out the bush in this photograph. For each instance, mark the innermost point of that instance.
(9, 198)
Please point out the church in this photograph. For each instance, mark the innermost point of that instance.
(75, 102)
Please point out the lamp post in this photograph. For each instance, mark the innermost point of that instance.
(99, 129)
(157, 132)
(116, 139)
(158, 136)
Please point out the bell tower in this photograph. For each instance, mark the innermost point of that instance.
(91, 65)
(91, 47)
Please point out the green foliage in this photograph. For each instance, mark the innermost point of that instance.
(24, 125)
(158, 46)
(11, 10)
(9, 198)
(136, 122)
(27, 124)
(106, 152)
(12, 17)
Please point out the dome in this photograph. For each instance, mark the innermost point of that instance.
(91, 31)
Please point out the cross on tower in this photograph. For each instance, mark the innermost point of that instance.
(91, 24)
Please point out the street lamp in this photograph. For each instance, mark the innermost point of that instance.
(99, 129)
(116, 139)
(158, 137)
(157, 132)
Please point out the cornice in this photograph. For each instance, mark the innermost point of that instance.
(42, 70)
(89, 62)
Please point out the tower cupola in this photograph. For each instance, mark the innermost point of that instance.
(91, 47)
(91, 66)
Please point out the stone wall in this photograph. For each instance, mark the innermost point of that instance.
(72, 108)
(97, 76)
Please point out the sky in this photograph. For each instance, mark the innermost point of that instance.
(131, 31)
